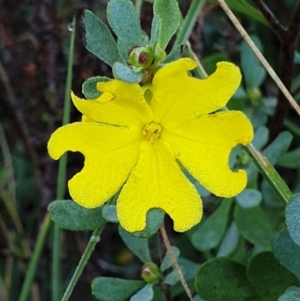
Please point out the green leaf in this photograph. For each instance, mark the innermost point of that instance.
(70, 216)
(291, 294)
(154, 219)
(287, 252)
(269, 196)
(189, 22)
(290, 159)
(252, 225)
(169, 14)
(155, 30)
(172, 278)
(173, 55)
(278, 147)
(210, 232)
(261, 137)
(249, 198)
(124, 21)
(138, 246)
(292, 218)
(123, 72)
(245, 8)
(109, 213)
(254, 73)
(167, 263)
(114, 289)
(89, 87)
(230, 241)
(144, 294)
(268, 277)
(222, 279)
(189, 267)
(99, 40)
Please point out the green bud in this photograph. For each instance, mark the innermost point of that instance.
(150, 272)
(244, 159)
(159, 53)
(254, 94)
(140, 57)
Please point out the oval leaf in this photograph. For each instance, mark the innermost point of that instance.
(230, 241)
(210, 232)
(109, 213)
(254, 73)
(291, 294)
(123, 72)
(167, 262)
(144, 294)
(99, 40)
(253, 226)
(124, 21)
(249, 198)
(89, 87)
(221, 279)
(70, 216)
(114, 289)
(268, 277)
(287, 252)
(167, 11)
(278, 147)
(138, 246)
(290, 159)
(292, 217)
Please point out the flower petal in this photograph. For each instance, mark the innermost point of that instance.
(178, 97)
(158, 182)
(120, 104)
(110, 154)
(203, 146)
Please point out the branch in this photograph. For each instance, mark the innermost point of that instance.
(287, 53)
(276, 26)
(174, 262)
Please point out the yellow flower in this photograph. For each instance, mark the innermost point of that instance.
(126, 141)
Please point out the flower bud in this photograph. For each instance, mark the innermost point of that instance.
(254, 94)
(150, 272)
(140, 57)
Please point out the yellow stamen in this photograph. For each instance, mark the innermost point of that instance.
(152, 131)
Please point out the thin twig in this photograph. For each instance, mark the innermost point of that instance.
(259, 55)
(174, 261)
(162, 251)
(277, 27)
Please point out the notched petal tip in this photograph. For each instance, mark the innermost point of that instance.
(54, 144)
(227, 69)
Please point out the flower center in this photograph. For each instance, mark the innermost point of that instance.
(152, 131)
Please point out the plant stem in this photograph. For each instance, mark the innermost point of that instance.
(34, 259)
(261, 58)
(189, 22)
(270, 174)
(138, 6)
(273, 21)
(174, 261)
(61, 181)
(95, 238)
